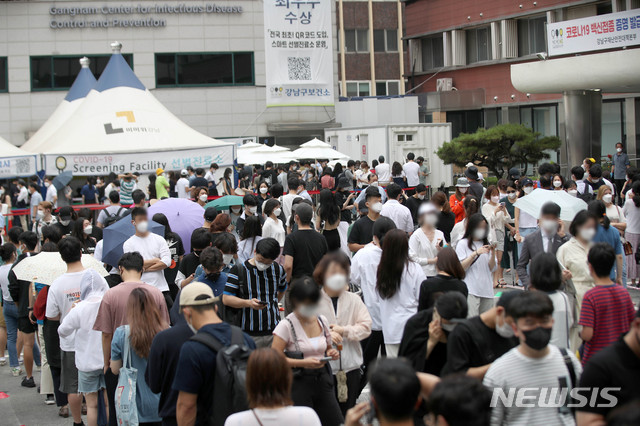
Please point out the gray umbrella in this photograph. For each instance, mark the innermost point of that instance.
(62, 180)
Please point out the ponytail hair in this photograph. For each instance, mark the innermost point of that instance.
(598, 208)
(636, 193)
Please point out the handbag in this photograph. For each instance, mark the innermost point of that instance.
(628, 248)
(297, 354)
(341, 381)
(125, 398)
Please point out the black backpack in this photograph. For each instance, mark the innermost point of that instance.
(231, 315)
(229, 384)
(112, 218)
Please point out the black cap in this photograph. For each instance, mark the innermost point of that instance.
(514, 172)
(526, 181)
(362, 206)
(210, 214)
(471, 173)
(343, 182)
(65, 213)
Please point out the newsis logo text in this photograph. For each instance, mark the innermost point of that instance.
(555, 397)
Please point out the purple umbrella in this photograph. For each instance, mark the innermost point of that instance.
(184, 216)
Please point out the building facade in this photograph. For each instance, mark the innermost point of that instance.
(203, 60)
(460, 58)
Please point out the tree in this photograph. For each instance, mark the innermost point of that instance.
(499, 148)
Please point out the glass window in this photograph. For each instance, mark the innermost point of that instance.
(381, 88)
(59, 72)
(362, 40)
(350, 40)
(492, 117)
(392, 40)
(612, 125)
(478, 45)
(531, 36)
(432, 53)
(464, 121)
(378, 41)
(352, 89)
(393, 88)
(363, 89)
(204, 69)
(4, 84)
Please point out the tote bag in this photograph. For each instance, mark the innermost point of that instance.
(125, 400)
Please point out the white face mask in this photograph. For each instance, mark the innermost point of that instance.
(528, 189)
(619, 149)
(504, 330)
(253, 209)
(463, 190)
(308, 311)
(573, 192)
(607, 198)
(479, 234)
(236, 210)
(587, 234)
(374, 183)
(336, 282)
(191, 327)
(88, 230)
(420, 197)
(227, 258)
(203, 198)
(376, 207)
(277, 212)
(39, 214)
(65, 222)
(264, 190)
(261, 266)
(495, 199)
(47, 184)
(142, 227)
(512, 195)
(549, 226)
(431, 219)
(557, 183)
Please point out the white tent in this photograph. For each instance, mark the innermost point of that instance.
(83, 83)
(276, 154)
(121, 127)
(15, 162)
(315, 148)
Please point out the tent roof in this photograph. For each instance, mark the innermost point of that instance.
(117, 73)
(83, 83)
(7, 149)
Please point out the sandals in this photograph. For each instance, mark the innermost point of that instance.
(501, 283)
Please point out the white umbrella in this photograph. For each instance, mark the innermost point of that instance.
(249, 146)
(315, 143)
(569, 205)
(315, 148)
(47, 266)
(276, 154)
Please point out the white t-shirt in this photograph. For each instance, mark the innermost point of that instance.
(478, 277)
(4, 281)
(63, 293)
(182, 186)
(300, 416)
(411, 169)
(150, 247)
(421, 249)
(274, 229)
(364, 267)
(383, 170)
(52, 193)
(632, 214)
(287, 202)
(78, 326)
(399, 214)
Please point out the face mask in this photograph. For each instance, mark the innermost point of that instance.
(573, 192)
(203, 198)
(376, 207)
(99, 181)
(227, 258)
(495, 200)
(538, 338)
(39, 214)
(88, 230)
(431, 219)
(619, 149)
(142, 227)
(264, 190)
(607, 198)
(504, 330)
(549, 226)
(587, 234)
(463, 190)
(448, 328)
(336, 282)
(253, 209)
(261, 266)
(277, 212)
(374, 183)
(479, 234)
(47, 184)
(192, 328)
(528, 189)
(420, 197)
(64, 222)
(557, 183)
(235, 210)
(308, 311)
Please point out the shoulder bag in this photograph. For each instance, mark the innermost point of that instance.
(125, 400)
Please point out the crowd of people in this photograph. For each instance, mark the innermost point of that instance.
(328, 286)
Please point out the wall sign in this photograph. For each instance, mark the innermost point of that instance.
(17, 166)
(593, 33)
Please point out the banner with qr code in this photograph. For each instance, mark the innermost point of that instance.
(613, 30)
(298, 52)
(18, 166)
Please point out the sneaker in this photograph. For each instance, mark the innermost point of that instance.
(38, 367)
(28, 383)
(16, 371)
(21, 360)
(64, 412)
(50, 399)
(3, 361)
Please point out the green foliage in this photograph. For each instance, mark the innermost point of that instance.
(499, 148)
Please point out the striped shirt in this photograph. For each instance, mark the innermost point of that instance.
(263, 285)
(126, 188)
(607, 309)
(514, 373)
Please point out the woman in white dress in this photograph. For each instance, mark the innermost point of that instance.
(272, 226)
(426, 241)
(497, 216)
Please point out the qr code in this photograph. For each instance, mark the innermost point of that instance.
(299, 68)
(23, 166)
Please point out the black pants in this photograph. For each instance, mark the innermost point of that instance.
(371, 346)
(61, 397)
(353, 390)
(111, 383)
(168, 299)
(619, 183)
(314, 388)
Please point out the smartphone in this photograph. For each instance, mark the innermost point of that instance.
(262, 302)
(371, 414)
(503, 204)
(325, 358)
(441, 243)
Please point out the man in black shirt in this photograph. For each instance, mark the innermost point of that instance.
(413, 202)
(362, 230)
(474, 344)
(303, 248)
(270, 174)
(199, 181)
(200, 240)
(616, 366)
(475, 188)
(65, 220)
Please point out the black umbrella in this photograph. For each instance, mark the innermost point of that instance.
(62, 180)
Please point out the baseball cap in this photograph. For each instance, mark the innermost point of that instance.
(210, 214)
(184, 172)
(514, 172)
(159, 171)
(362, 206)
(195, 294)
(65, 213)
(526, 181)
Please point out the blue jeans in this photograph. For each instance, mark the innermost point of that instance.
(11, 318)
(624, 270)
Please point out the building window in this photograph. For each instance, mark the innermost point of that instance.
(4, 82)
(59, 72)
(531, 36)
(432, 53)
(492, 117)
(404, 137)
(358, 88)
(613, 125)
(385, 40)
(356, 40)
(464, 121)
(478, 45)
(204, 69)
(387, 88)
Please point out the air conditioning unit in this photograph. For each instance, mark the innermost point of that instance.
(444, 84)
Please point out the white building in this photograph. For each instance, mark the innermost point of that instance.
(203, 60)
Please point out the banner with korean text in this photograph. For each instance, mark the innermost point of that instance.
(298, 52)
(610, 31)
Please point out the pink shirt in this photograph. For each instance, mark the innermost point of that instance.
(311, 347)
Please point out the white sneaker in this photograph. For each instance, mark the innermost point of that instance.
(3, 361)
(16, 371)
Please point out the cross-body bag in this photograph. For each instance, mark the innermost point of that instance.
(256, 416)
(565, 409)
(125, 401)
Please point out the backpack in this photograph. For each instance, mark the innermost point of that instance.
(112, 218)
(229, 384)
(231, 315)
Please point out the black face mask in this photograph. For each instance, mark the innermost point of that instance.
(538, 338)
(197, 252)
